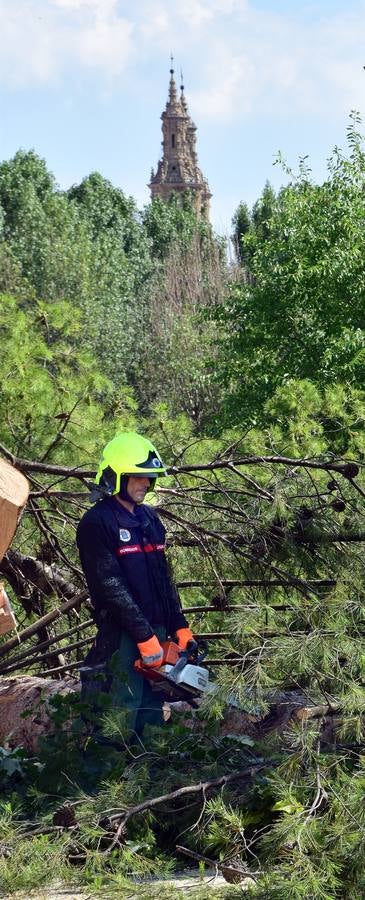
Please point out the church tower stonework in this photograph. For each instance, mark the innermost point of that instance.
(178, 170)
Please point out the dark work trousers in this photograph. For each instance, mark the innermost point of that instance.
(119, 686)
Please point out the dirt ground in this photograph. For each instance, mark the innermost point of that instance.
(186, 884)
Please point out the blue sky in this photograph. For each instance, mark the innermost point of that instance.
(84, 82)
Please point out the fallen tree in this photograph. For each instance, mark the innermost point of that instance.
(26, 711)
(265, 552)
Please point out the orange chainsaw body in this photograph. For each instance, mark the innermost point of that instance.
(171, 656)
(180, 675)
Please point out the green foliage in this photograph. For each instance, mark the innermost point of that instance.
(52, 399)
(43, 230)
(241, 224)
(76, 770)
(112, 319)
(15, 762)
(119, 266)
(178, 351)
(91, 247)
(252, 226)
(173, 222)
(262, 212)
(300, 314)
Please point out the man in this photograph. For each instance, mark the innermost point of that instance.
(121, 543)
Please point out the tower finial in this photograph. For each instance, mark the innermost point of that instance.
(182, 95)
(172, 88)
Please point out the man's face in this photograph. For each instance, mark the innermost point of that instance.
(137, 487)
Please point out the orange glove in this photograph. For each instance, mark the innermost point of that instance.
(151, 652)
(184, 635)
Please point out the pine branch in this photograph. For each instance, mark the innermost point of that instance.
(123, 815)
(347, 469)
(218, 865)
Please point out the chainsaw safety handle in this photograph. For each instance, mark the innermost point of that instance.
(202, 650)
(196, 650)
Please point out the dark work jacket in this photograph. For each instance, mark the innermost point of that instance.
(122, 555)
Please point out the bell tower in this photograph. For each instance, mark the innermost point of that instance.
(178, 170)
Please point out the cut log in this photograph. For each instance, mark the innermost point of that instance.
(14, 491)
(7, 618)
(30, 695)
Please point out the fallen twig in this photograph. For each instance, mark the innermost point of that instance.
(123, 815)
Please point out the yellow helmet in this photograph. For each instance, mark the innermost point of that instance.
(128, 454)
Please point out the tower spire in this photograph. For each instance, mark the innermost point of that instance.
(178, 170)
(182, 95)
(172, 87)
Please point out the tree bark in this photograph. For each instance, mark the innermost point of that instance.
(30, 695)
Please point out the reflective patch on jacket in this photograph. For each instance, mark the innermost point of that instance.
(137, 548)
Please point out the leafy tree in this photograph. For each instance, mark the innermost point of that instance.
(119, 268)
(106, 209)
(16, 176)
(86, 246)
(178, 346)
(54, 402)
(91, 247)
(302, 314)
(175, 221)
(247, 221)
(241, 222)
(263, 210)
(43, 230)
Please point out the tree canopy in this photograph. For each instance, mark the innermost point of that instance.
(300, 314)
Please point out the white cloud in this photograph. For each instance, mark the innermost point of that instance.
(230, 87)
(100, 7)
(43, 40)
(106, 45)
(272, 63)
(244, 58)
(158, 16)
(154, 23)
(240, 57)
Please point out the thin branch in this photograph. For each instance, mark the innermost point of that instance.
(80, 472)
(44, 644)
(54, 443)
(22, 636)
(189, 790)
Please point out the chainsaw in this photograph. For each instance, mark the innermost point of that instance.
(180, 675)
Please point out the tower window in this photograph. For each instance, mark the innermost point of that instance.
(172, 140)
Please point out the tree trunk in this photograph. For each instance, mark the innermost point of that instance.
(31, 695)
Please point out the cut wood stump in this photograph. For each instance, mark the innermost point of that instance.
(31, 695)
(7, 618)
(14, 490)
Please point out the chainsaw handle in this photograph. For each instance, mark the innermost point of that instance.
(196, 650)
